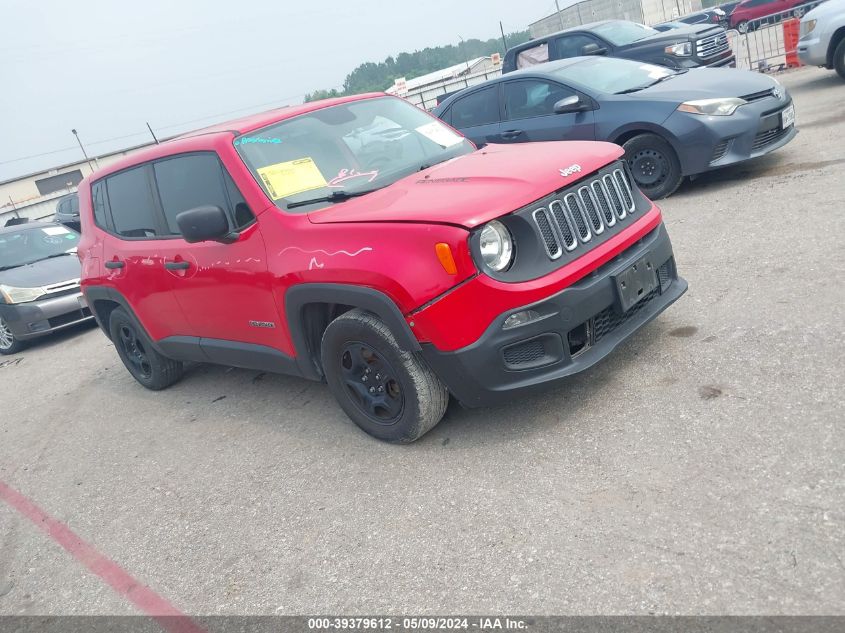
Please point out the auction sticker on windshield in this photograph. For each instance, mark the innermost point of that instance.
(440, 134)
(291, 177)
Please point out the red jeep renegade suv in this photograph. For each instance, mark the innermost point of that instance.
(363, 242)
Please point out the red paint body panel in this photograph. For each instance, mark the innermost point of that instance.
(460, 317)
(748, 12)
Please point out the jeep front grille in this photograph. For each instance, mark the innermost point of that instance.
(582, 213)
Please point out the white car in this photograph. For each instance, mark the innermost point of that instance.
(822, 38)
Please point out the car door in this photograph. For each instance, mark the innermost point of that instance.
(224, 290)
(529, 113)
(477, 115)
(135, 250)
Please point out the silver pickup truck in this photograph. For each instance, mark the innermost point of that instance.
(822, 38)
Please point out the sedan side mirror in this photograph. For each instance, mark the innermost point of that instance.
(205, 224)
(570, 104)
(593, 49)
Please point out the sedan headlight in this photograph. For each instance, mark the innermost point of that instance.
(679, 50)
(713, 107)
(20, 295)
(807, 27)
(496, 246)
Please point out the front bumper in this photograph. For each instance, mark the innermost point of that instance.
(812, 51)
(38, 318)
(709, 142)
(578, 327)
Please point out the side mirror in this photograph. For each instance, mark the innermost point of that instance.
(570, 104)
(593, 49)
(205, 224)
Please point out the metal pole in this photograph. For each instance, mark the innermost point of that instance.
(464, 53)
(559, 16)
(504, 41)
(84, 153)
(151, 132)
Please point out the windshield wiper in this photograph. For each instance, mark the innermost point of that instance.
(653, 83)
(334, 196)
(12, 266)
(55, 255)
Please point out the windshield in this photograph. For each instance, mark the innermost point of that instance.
(31, 244)
(612, 75)
(623, 33)
(328, 154)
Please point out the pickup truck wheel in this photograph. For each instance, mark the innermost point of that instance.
(839, 59)
(8, 343)
(654, 165)
(147, 366)
(389, 393)
(742, 26)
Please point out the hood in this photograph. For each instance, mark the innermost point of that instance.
(44, 273)
(831, 7)
(708, 83)
(475, 188)
(674, 36)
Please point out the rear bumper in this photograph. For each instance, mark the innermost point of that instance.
(38, 318)
(578, 327)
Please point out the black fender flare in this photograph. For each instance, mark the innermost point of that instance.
(369, 299)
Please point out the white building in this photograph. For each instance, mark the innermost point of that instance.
(423, 91)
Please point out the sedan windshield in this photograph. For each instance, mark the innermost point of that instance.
(623, 33)
(611, 75)
(333, 154)
(28, 245)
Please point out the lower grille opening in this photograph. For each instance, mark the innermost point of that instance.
(536, 352)
(768, 137)
(69, 317)
(720, 150)
(579, 338)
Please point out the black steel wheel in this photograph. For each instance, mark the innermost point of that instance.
(654, 165)
(150, 368)
(372, 383)
(390, 393)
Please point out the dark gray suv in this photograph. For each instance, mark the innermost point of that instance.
(67, 211)
(39, 283)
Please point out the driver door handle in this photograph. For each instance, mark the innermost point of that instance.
(114, 264)
(510, 134)
(181, 265)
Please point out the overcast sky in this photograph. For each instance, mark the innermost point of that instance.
(105, 67)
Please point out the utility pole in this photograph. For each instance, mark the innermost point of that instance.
(84, 153)
(504, 41)
(151, 132)
(559, 16)
(464, 53)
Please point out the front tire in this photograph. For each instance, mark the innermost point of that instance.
(8, 343)
(389, 393)
(742, 26)
(153, 370)
(839, 59)
(654, 165)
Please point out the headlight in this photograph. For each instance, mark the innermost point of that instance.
(679, 50)
(806, 28)
(20, 295)
(496, 246)
(713, 107)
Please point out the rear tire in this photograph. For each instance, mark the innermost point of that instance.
(389, 393)
(153, 370)
(839, 59)
(654, 165)
(8, 343)
(742, 26)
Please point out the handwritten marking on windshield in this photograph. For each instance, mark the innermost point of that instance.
(348, 174)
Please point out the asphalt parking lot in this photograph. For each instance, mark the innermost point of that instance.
(699, 470)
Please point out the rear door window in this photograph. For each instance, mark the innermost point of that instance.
(533, 56)
(131, 203)
(479, 108)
